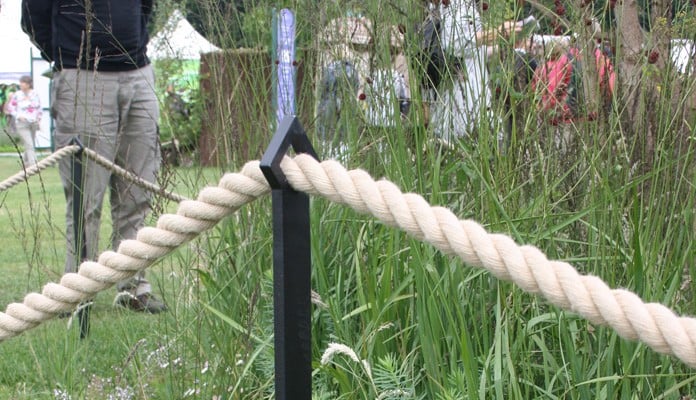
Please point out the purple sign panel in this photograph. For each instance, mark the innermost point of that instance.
(285, 53)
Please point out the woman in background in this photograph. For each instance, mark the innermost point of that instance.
(24, 107)
(463, 101)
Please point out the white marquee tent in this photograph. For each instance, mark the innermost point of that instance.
(16, 47)
(179, 40)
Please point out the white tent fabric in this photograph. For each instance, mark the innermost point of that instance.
(683, 55)
(15, 44)
(178, 39)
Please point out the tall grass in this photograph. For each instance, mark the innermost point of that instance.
(420, 324)
(447, 331)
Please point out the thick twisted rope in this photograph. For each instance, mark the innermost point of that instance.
(151, 243)
(47, 162)
(588, 296)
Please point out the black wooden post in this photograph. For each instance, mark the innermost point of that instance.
(291, 267)
(79, 241)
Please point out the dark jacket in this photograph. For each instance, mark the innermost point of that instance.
(112, 36)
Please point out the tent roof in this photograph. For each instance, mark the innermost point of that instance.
(178, 39)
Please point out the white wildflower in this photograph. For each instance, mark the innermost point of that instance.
(59, 394)
(338, 348)
(159, 357)
(394, 393)
(122, 393)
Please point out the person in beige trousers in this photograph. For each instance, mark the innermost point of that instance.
(103, 94)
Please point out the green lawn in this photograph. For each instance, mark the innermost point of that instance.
(121, 344)
(33, 225)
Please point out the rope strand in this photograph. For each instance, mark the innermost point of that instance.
(49, 161)
(55, 157)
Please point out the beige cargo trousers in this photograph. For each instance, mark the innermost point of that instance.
(114, 114)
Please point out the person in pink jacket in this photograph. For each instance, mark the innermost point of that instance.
(24, 106)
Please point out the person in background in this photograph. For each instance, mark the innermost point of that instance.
(9, 121)
(464, 95)
(176, 103)
(103, 95)
(24, 108)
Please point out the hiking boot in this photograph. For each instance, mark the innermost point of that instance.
(145, 302)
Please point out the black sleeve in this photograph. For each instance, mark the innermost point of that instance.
(36, 22)
(147, 7)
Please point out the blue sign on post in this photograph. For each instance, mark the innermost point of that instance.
(285, 70)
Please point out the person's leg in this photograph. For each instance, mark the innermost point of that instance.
(24, 131)
(84, 107)
(138, 152)
(30, 151)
